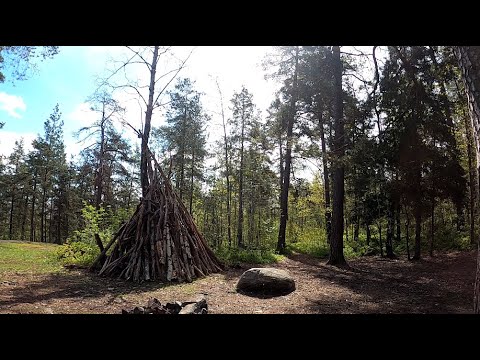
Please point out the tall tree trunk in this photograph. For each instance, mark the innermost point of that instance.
(240, 185)
(380, 242)
(346, 224)
(145, 165)
(432, 227)
(58, 239)
(368, 234)
(220, 218)
(24, 217)
(356, 217)
(99, 173)
(12, 202)
(326, 178)
(42, 213)
(473, 181)
(50, 221)
(418, 231)
(67, 209)
(356, 229)
(257, 238)
(469, 61)
(251, 219)
(252, 213)
(227, 171)
(32, 214)
(472, 176)
(336, 244)
(182, 164)
(288, 160)
(390, 228)
(397, 211)
(281, 162)
(407, 232)
(397, 220)
(191, 182)
(99, 179)
(235, 208)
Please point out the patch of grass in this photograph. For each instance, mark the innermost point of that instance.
(233, 257)
(351, 249)
(28, 257)
(310, 248)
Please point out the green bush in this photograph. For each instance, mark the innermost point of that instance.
(77, 253)
(81, 248)
(312, 248)
(233, 257)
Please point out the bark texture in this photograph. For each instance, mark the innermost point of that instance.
(469, 61)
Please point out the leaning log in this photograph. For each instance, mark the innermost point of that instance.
(160, 241)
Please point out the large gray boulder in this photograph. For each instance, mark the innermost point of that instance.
(266, 281)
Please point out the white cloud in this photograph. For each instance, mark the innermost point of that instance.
(81, 115)
(12, 103)
(8, 138)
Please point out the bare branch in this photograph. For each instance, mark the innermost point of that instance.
(139, 133)
(167, 49)
(134, 88)
(166, 74)
(89, 146)
(141, 57)
(105, 81)
(352, 54)
(157, 105)
(178, 70)
(86, 137)
(365, 82)
(377, 76)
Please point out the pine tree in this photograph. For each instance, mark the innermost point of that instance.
(49, 159)
(243, 110)
(184, 139)
(17, 176)
(338, 186)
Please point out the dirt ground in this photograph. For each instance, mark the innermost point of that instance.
(443, 284)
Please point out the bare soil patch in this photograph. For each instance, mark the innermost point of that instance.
(442, 284)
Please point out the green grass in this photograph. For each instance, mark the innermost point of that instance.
(310, 248)
(321, 250)
(28, 257)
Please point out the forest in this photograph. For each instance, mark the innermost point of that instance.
(365, 159)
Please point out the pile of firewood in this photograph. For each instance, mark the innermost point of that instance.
(154, 306)
(160, 241)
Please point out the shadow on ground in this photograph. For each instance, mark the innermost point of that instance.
(443, 284)
(78, 284)
(432, 285)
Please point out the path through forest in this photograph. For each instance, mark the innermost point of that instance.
(443, 284)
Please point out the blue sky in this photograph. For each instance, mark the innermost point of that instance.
(69, 78)
(66, 79)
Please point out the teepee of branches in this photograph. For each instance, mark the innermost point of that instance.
(160, 241)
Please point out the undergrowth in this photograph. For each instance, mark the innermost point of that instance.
(233, 257)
